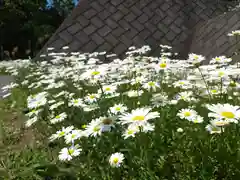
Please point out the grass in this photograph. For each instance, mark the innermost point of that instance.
(20, 147)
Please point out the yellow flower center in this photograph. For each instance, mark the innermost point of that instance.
(75, 101)
(130, 132)
(196, 57)
(94, 73)
(84, 126)
(228, 114)
(232, 83)
(221, 73)
(107, 89)
(115, 160)
(138, 118)
(96, 129)
(195, 121)
(117, 108)
(187, 114)
(57, 116)
(71, 151)
(181, 82)
(215, 129)
(163, 65)
(92, 96)
(214, 91)
(62, 133)
(217, 59)
(151, 83)
(73, 135)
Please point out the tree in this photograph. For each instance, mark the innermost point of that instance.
(25, 25)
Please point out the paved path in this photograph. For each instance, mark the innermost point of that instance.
(4, 80)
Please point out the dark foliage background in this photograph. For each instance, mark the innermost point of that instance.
(25, 25)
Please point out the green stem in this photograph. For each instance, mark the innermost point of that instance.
(209, 94)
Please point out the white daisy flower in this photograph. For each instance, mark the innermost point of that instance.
(116, 159)
(61, 133)
(220, 60)
(31, 121)
(197, 119)
(56, 105)
(66, 154)
(163, 64)
(185, 96)
(118, 108)
(138, 79)
(219, 122)
(134, 93)
(34, 112)
(184, 84)
(94, 73)
(138, 116)
(90, 98)
(94, 128)
(131, 131)
(58, 118)
(151, 85)
(195, 59)
(108, 89)
(214, 91)
(159, 99)
(234, 33)
(72, 136)
(221, 73)
(165, 46)
(65, 47)
(180, 130)
(35, 101)
(50, 48)
(76, 102)
(147, 127)
(224, 111)
(213, 129)
(188, 114)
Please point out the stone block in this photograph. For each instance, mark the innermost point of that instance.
(90, 13)
(111, 39)
(125, 40)
(130, 17)
(66, 36)
(83, 21)
(82, 37)
(89, 29)
(97, 22)
(138, 26)
(143, 18)
(120, 48)
(104, 14)
(112, 24)
(118, 31)
(105, 30)
(97, 39)
(74, 28)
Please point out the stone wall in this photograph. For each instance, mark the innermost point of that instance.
(210, 37)
(114, 25)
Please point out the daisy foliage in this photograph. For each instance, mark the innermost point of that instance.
(139, 117)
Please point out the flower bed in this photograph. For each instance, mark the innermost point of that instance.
(137, 118)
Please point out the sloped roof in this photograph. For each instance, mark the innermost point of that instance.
(114, 25)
